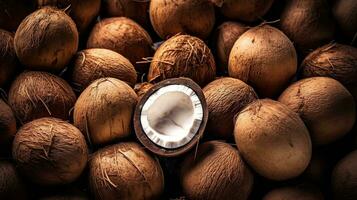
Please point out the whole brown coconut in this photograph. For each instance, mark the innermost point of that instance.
(124, 36)
(346, 17)
(344, 178)
(11, 185)
(244, 10)
(92, 64)
(125, 171)
(326, 107)
(141, 88)
(46, 40)
(83, 12)
(8, 60)
(216, 171)
(50, 151)
(225, 98)
(135, 10)
(13, 12)
(225, 37)
(273, 140)
(300, 192)
(39, 94)
(7, 124)
(265, 58)
(308, 23)
(195, 17)
(104, 110)
(183, 56)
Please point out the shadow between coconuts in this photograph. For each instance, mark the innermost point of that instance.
(152, 146)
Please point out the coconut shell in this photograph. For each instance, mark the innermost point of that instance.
(104, 110)
(92, 64)
(308, 23)
(7, 124)
(195, 17)
(265, 58)
(324, 104)
(346, 17)
(301, 192)
(183, 56)
(46, 40)
(216, 171)
(83, 12)
(225, 98)
(50, 151)
(8, 60)
(125, 37)
(39, 94)
(11, 184)
(141, 88)
(273, 140)
(13, 12)
(125, 171)
(225, 37)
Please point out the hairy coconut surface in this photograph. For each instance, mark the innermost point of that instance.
(183, 56)
(39, 94)
(195, 17)
(125, 171)
(225, 37)
(11, 184)
(124, 36)
(264, 58)
(104, 110)
(308, 23)
(83, 12)
(324, 104)
(346, 17)
(13, 12)
(8, 60)
(7, 124)
(273, 140)
(92, 64)
(141, 88)
(216, 171)
(225, 98)
(50, 151)
(46, 40)
(344, 178)
(301, 192)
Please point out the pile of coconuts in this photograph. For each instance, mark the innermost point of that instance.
(178, 100)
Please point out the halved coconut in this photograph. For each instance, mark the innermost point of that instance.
(171, 117)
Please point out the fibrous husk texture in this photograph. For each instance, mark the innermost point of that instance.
(125, 37)
(216, 171)
(8, 60)
(11, 184)
(141, 88)
(125, 171)
(195, 17)
(39, 94)
(346, 17)
(92, 64)
(7, 123)
(104, 110)
(273, 140)
(46, 40)
(264, 58)
(226, 97)
(13, 12)
(183, 56)
(50, 151)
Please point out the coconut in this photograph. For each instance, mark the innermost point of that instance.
(46, 40)
(225, 98)
(124, 36)
(39, 94)
(265, 58)
(346, 17)
(7, 124)
(141, 88)
(225, 37)
(13, 12)
(196, 17)
(216, 171)
(344, 178)
(136, 10)
(125, 171)
(171, 117)
(11, 184)
(308, 23)
(324, 104)
(83, 12)
(50, 151)
(301, 192)
(243, 10)
(8, 60)
(273, 140)
(104, 110)
(92, 64)
(183, 56)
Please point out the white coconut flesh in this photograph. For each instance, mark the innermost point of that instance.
(172, 116)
